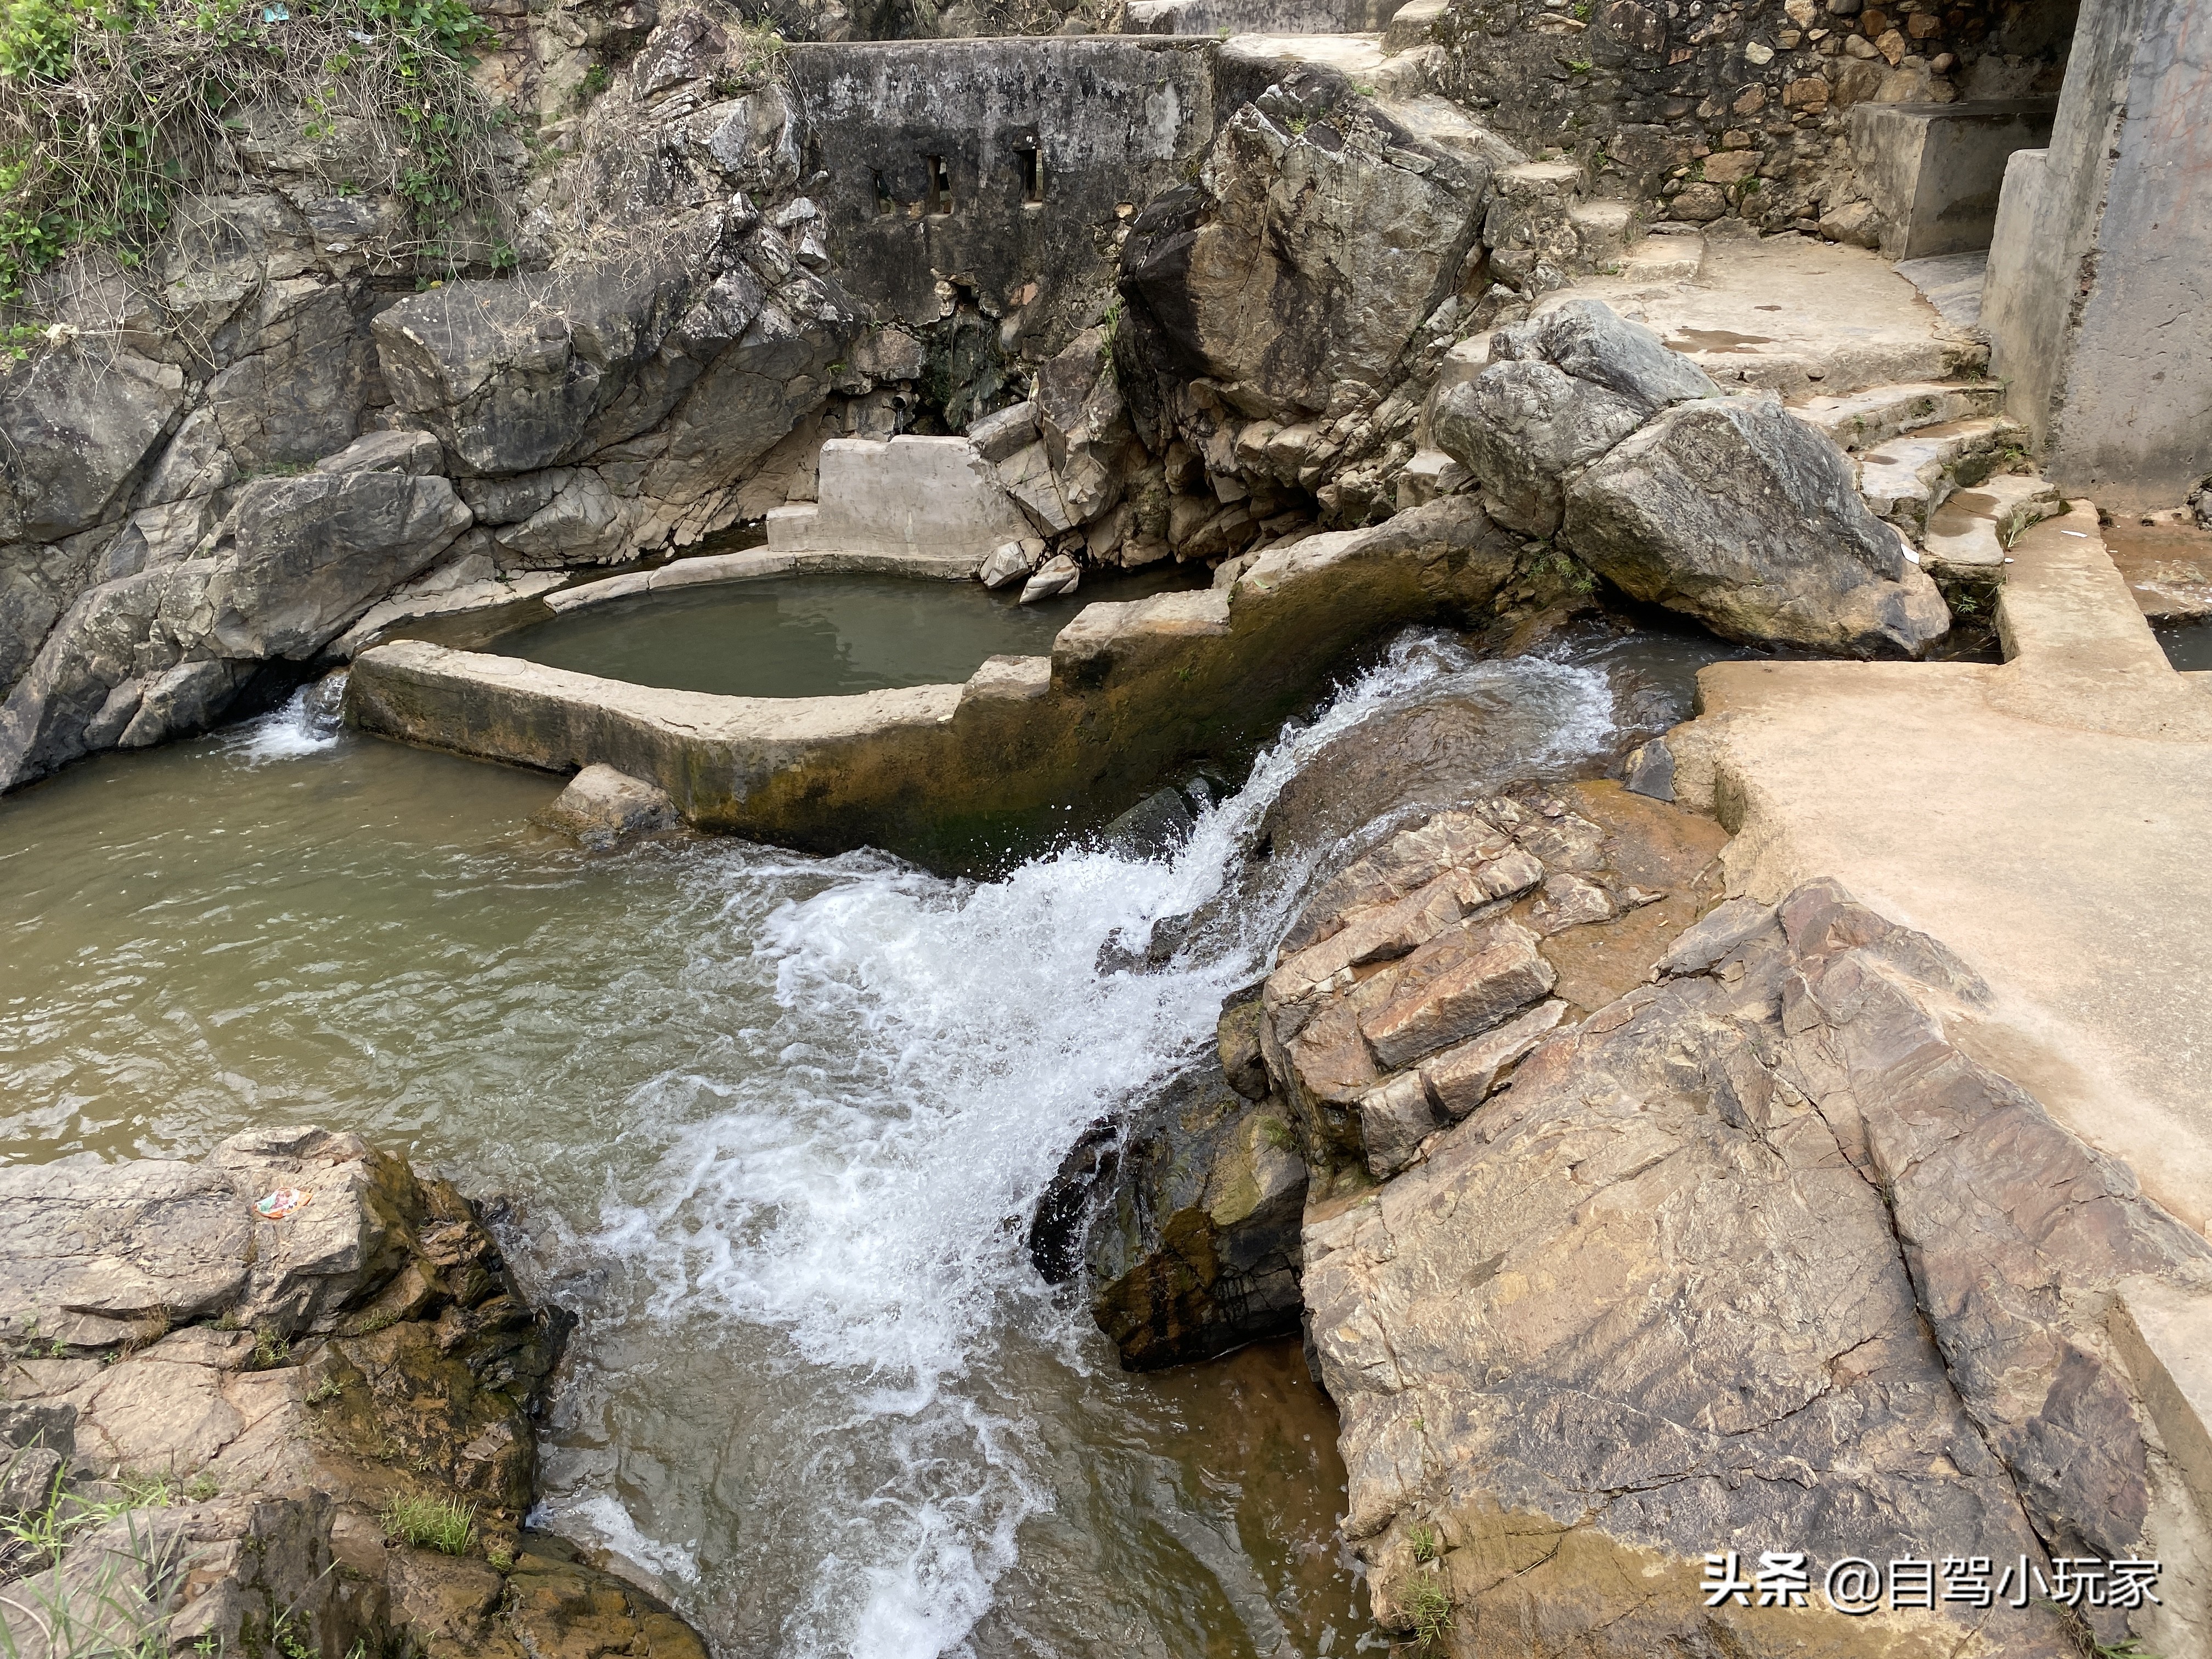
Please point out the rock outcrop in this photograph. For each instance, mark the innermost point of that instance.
(1285, 308)
(259, 1365)
(1754, 1259)
(1192, 1248)
(1418, 975)
(1585, 427)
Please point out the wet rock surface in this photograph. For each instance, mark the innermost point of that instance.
(1192, 1248)
(253, 1363)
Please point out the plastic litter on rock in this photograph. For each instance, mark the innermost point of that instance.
(284, 1202)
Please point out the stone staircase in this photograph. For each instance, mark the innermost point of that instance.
(1940, 462)
(1936, 457)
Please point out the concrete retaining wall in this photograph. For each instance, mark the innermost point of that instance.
(1937, 170)
(1218, 17)
(1132, 693)
(2102, 325)
(1000, 167)
(912, 504)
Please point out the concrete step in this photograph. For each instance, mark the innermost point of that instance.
(1357, 56)
(1665, 259)
(1857, 420)
(1606, 228)
(1907, 477)
(1269, 17)
(1968, 534)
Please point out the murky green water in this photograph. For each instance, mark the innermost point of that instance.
(813, 636)
(774, 1123)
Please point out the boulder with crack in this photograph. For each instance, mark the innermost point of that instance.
(1584, 426)
(1754, 1261)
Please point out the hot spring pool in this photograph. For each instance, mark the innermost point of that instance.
(813, 636)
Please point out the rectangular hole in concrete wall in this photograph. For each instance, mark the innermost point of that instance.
(1032, 165)
(885, 206)
(940, 184)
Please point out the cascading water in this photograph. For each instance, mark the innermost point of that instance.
(774, 1123)
(846, 1194)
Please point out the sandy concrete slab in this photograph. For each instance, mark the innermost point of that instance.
(1793, 315)
(2045, 819)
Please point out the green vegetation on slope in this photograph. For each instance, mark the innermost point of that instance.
(108, 111)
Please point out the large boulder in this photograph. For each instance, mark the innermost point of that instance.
(512, 375)
(1298, 268)
(1522, 429)
(1559, 392)
(310, 554)
(1733, 511)
(1753, 1259)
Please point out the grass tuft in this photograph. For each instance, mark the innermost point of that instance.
(1429, 1611)
(432, 1523)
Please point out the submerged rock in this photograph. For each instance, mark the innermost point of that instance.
(300, 1336)
(1058, 576)
(601, 806)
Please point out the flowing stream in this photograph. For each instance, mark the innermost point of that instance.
(773, 1124)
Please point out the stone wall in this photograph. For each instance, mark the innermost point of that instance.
(1042, 151)
(1710, 111)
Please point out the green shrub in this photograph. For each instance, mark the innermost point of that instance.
(108, 112)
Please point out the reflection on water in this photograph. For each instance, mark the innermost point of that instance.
(813, 636)
(775, 1120)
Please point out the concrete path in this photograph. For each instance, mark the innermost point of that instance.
(2047, 819)
(1788, 313)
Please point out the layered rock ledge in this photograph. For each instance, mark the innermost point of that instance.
(304, 1434)
(1642, 1227)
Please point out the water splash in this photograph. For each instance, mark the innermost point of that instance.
(846, 1199)
(290, 733)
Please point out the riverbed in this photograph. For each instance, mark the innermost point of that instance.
(772, 1124)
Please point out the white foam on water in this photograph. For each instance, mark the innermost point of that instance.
(940, 1045)
(281, 734)
(602, 1516)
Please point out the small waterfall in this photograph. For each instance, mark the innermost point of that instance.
(841, 1203)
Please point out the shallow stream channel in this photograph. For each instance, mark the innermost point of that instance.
(772, 1125)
